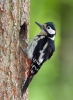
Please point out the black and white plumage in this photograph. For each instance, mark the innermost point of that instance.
(39, 50)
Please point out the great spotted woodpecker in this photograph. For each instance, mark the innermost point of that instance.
(40, 49)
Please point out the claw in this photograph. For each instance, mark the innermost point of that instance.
(24, 51)
(24, 39)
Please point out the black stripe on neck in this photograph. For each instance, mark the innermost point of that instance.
(49, 35)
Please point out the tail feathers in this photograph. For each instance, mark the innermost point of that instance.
(26, 84)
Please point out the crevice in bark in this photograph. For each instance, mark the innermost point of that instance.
(23, 30)
(23, 34)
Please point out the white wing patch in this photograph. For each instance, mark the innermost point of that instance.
(32, 46)
(42, 53)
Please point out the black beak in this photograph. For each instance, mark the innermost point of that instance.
(41, 26)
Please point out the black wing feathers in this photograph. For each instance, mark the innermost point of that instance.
(47, 53)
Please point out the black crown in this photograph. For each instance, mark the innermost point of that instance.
(51, 25)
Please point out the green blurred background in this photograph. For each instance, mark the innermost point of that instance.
(54, 81)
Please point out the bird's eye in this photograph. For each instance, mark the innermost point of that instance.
(48, 27)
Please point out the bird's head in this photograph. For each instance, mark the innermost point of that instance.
(48, 28)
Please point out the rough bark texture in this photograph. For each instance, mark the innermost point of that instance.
(13, 14)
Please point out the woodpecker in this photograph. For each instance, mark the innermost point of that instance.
(39, 50)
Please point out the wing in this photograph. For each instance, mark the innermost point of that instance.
(42, 52)
(32, 45)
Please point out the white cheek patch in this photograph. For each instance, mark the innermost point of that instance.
(51, 31)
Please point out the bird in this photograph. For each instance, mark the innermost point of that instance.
(39, 50)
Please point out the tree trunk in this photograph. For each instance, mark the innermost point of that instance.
(13, 14)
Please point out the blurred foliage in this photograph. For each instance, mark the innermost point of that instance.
(54, 81)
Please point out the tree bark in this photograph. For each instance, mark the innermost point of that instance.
(13, 14)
